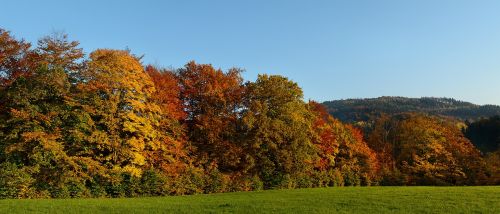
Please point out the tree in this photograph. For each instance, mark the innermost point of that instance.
(36, 129)
(341, 147)
(493, 168)
(56, 51)
(380, 139)
(485, 134)
(277, 126)
(168, 92)
(174, 155)
(324, 137)
(16, 58)
(117, 93)
(212, 102)
(427, 150)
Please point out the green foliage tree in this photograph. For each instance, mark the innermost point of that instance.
(37, 127)
(277, 122)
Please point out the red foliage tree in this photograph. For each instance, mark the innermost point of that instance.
(212, 100)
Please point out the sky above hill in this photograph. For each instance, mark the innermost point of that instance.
(333, 49)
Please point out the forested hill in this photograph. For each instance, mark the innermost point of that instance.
(351, 110)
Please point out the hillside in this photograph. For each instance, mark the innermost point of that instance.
(352, 110)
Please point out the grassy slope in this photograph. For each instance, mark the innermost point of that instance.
(320, 200)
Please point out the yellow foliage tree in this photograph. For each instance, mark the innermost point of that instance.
(117, 93)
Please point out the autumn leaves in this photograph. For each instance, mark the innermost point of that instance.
(109, 126)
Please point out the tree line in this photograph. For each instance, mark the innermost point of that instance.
(105, 125)
(367, 110)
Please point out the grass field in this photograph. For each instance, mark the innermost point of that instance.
(320, 200)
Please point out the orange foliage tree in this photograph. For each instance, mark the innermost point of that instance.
(175, 155)
(425, 150)
(212, 100)
(342, 151)
(16, 58)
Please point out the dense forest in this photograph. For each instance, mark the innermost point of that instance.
(105, 125)
(485, 133)
(356, 110)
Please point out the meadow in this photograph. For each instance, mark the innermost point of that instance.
(317, 200)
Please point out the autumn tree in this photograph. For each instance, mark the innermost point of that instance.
(427, 150)
(16, 58)
(38, 115)
(167, 93)
(212, 100)
(58, 51)
(324, 137)
(492, 168)
(36, 129)
(277, 122)
(380, 139)
(174, 155)
(117, 93)
(342, 149)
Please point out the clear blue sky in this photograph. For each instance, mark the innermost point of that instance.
(333, 49)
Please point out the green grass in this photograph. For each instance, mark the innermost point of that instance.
(320, 200)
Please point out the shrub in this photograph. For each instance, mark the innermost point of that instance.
(336, 178)
(15, 182)
(154, 183)
(215, 181)
(256, 183)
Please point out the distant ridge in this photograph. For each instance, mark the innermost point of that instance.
(355, 110)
